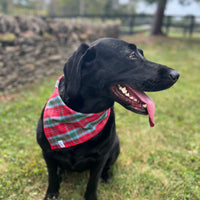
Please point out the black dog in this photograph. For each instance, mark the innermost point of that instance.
(94, 77)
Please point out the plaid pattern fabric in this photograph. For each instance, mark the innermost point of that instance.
(64, 127)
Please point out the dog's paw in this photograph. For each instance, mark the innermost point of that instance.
(90, 196)
(51, 196)
(106, 177)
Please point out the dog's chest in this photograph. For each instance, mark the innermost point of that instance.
(64, 127)
(79, 159)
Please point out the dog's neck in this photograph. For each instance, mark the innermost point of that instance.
(84, 104)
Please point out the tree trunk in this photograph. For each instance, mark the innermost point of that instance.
(156, 28)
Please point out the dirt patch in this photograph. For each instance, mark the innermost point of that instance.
(141, 38)
(150, 40)
(8, 97)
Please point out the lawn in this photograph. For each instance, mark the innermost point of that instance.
(160, 163)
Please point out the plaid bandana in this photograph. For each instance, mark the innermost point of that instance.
(64, 127)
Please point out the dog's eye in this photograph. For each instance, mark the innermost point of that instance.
(132, 56)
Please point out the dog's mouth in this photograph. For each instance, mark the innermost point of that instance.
(134, 100)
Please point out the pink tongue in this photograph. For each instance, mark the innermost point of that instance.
(151, 111)
(150, 105)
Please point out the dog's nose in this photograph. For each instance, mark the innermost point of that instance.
(174, 75)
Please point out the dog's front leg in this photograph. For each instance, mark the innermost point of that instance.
(95, 173)
(54, 183)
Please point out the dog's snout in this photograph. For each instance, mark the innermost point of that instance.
(174, 75)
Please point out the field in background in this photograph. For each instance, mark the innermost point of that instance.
(155, 163)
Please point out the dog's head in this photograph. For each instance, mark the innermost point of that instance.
(113, 70)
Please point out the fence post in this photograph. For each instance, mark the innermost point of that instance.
(191, 25)
(131, 24)
(185, 25)
(168, 24)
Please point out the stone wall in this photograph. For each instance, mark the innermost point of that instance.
(31, 47)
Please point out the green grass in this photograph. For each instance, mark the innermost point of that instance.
(160, 163)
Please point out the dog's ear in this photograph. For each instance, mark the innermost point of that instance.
(140, 50)
(89, 55)
(72, 69)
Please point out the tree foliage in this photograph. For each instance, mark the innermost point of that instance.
(183, 2)
(24, 3)
(5, 5)
(69, 7)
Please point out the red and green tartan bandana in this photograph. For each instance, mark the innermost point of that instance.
(64, 127)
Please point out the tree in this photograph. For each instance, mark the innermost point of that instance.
(156, 28)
